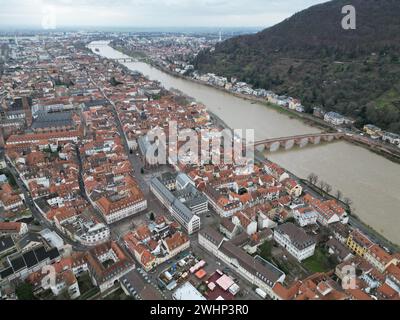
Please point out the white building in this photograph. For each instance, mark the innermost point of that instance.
(13, 228)
(87, 231)
(295, 241)
(65, 281)
(334, 118)
(391, 138)
(117, 208)
(305, 216)
(184, 204)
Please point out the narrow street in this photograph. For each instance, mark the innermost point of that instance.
(37, 215)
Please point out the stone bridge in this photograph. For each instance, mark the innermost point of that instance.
(125, 60)
(288, 143)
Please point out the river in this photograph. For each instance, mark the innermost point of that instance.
(372, 182)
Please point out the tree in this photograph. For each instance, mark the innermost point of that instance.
(348, 201)
(339, 195)
(312, 178)
(266, 250)
(152, 217)
(328, 188)
(24, 291)
(321, 185)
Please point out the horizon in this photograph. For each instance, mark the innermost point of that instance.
(173, 14)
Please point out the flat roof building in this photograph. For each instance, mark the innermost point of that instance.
(184, 204)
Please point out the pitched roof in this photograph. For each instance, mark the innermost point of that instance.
(298, 237)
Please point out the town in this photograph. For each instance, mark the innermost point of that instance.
(84, 214)
(175, 55)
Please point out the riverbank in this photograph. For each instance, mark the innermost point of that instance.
(391, 154)
(369, 180)
(354, 219)
(307, 119)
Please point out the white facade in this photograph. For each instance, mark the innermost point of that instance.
(190, 221)
(299, 254)
(124, 212)
(305, 218)
(94, 236)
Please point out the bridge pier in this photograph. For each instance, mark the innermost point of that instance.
(261, 148)
(275, 146)
(302, 142)
(315, 140)
(289, 144)
(329, 138)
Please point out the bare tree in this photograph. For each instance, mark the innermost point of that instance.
(328, 188)
(313, 178)
(321, 185)
(348, 201)
(339, 195)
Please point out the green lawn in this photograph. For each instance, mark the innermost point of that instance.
(265, 250)
(319, 262)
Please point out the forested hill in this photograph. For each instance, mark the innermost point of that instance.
(311, 57)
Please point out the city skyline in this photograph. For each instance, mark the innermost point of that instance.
(146, 14)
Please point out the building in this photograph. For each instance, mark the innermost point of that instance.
(379, 258)
(391, 138)
(184, 204)
(359, 243)
(9, 199)
(13, 228)
(245, 223)
(64, 280)
(7, 245)
(152, 249)
(86, 230)
(339, 250)
(295, 240)
(393, 278)
(319, 286)
(373, 131)
(20, 265)
(334, 118)
(228, 228)
(117, 207)
(17, 141)
(54, 121)
(107, 263)
(305, 216)
(256, 270)
(293, 188)
(329, 211)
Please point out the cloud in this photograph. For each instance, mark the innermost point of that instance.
(153, 13)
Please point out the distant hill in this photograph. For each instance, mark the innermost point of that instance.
(311, 57)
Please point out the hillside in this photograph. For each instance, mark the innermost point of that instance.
(310, 56)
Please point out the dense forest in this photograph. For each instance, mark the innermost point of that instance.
(311, 57)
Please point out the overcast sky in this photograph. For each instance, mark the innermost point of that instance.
(150, 13)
